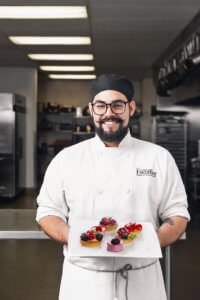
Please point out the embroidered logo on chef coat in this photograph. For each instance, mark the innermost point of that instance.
(145, 172)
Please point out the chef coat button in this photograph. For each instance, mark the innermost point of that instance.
(128, 154)
(128, 190)
(100, 192)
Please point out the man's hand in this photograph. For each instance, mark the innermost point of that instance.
(56, 228)
(171, 229)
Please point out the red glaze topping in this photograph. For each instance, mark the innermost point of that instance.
(123, 230)
(138, 227)
(99, 228)
(91, 235)
(134, 227)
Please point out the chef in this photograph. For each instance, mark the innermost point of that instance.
(112, 174)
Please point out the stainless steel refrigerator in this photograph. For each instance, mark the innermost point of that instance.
(12, 144)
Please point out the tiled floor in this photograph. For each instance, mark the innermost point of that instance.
(31, 269)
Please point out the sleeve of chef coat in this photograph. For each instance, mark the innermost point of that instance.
(174, 200)
(51, 199)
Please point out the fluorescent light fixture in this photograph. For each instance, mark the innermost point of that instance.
(61, 56)
(50, 40)
(42, 12)
(71, 76)
(68, 68)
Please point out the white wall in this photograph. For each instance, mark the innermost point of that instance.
(148, 98)
(23, 81)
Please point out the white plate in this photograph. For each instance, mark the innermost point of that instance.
(145, 245)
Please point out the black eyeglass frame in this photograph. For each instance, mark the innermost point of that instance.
(109, 104)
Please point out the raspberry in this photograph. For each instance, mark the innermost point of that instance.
(112, 221)
(138, 227)
(130, 226)
(98, 228)
(106, 222)
(121, 231)
(90, 235)
(126, 230)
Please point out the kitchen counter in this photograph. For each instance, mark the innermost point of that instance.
(20, 224)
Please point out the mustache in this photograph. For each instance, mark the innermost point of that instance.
(118, 120)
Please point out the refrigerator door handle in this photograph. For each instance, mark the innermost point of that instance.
(21, 147)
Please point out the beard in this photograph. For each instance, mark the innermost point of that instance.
(112, 136)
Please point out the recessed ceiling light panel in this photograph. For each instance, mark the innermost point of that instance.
(43, 12)
(68, 68)
(69, 57)
(50, 40)
(71, 76)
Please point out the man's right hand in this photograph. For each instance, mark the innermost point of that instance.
(55, 228)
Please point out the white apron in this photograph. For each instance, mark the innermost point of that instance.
(143, 284)
(138, 181)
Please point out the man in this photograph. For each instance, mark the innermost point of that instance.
(112, 174)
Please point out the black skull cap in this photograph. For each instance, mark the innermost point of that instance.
(112, 82)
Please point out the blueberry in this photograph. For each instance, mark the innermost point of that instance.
(112, 223)
(124, 236)
(120, 229)
(99, 236)
(84, 237)
(101, 222)
(115, 241)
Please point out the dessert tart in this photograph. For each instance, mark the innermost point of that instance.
(125, 235)
(109, 223)
(99, 229)
(134, 228)
(115, 245)
(91, 238)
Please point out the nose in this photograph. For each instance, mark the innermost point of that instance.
(109, 111)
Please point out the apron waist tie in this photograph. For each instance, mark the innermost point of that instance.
(122, 271)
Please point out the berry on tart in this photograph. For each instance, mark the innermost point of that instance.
(115, 245)
(134, 228)
(125, 235)
(100, 229)
(109, 223)
(91, 238)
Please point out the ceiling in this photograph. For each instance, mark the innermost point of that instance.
(127, 35)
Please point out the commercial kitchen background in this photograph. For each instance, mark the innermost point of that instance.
(156, 44)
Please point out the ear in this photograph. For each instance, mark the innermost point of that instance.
(90, 108)
(132, 107)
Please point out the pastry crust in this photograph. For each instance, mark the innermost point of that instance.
(92, 243)
(136, 232)
(111, 227)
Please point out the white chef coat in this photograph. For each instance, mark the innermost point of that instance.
(138, 181)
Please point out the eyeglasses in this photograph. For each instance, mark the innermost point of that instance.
(117, 107)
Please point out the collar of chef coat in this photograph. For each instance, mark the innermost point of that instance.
(123, 145)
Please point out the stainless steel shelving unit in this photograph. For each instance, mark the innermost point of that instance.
(171, 132)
